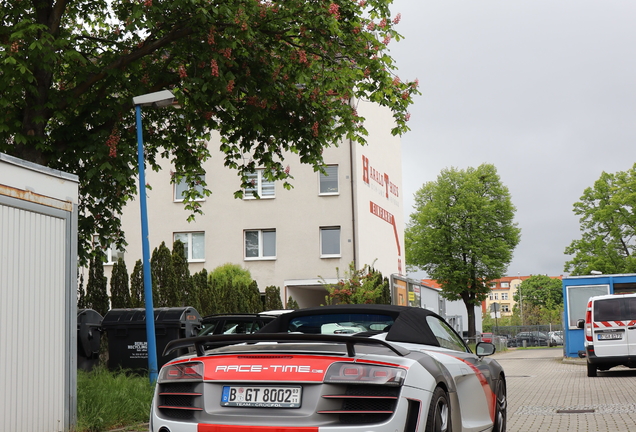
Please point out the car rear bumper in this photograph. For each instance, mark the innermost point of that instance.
(608, 361)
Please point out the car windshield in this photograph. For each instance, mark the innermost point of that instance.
(346, 323)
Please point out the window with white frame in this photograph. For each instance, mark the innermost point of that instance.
(329, 180)
(491, 296)
(194, 245)
(504, 296)
(260, 244)
(493, 284)
(505, 284)
(181, 186)
(505, 308)
(330, 242)
(263, 187)
(496, 296)
(112, 253)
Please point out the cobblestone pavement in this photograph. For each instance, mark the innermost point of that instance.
(548, 393)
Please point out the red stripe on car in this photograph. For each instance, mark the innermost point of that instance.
(491, 398)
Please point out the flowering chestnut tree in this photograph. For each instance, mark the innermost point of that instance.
(273, 77)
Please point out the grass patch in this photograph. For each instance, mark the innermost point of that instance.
(539, 347)
(108, 400)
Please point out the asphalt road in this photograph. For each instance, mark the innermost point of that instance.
(549, 393)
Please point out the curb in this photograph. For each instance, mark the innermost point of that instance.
(574, 360)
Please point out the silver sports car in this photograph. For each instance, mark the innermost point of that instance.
(348, 368)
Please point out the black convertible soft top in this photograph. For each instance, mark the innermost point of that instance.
(409, 325)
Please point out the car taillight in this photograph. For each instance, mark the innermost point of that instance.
(192, 371)
(348, 373)
(588, 323)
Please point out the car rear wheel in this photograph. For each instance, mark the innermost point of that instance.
(501, 407)
(439, 419)
(591, 370)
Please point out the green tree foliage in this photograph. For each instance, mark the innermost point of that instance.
(164, 293)
(137, 299)
(462, 233)
(119, 288)
(363, 286)
(539, 300)
(385, 297)
(607, 214)
(489, 324)
(292, 304)
(96, 293)
(232, 288)
(542, 291)
(253, 303)
(204, 298)
(271, 76)
(272, 298)
(81, 293)
(182, 279)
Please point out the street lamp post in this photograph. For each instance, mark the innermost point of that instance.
(157, 99)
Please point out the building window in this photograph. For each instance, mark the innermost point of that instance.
(194, 245)
(505, 285)
(504, 296)
(263, 187)
(260, 244)
(496, 296)
(493, 285)
(112, 253)
(330, 242)
(180, 187)
(491, 296)
(329, 180)
(505, 308)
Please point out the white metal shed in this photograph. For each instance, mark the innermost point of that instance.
(38, 297)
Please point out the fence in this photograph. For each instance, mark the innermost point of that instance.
(518, 336)
(512, 331)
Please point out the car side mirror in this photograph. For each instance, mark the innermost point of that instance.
(485, 349)
(580, 324)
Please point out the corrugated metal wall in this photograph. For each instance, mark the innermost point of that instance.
(33, 333)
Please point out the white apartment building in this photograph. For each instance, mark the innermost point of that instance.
(294, 239)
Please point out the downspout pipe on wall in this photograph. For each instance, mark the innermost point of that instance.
(353, 198)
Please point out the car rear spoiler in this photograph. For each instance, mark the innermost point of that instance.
(203, 343)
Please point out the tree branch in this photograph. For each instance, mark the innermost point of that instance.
(146, 49)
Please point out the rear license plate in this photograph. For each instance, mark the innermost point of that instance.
(608, 336)
(261, 397)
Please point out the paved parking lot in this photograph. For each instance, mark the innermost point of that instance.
(546, 393)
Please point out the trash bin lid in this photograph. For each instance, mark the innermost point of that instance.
(89, 316)
(177, 315)
(132, 317)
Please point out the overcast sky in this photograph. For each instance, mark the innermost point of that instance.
(544, 89)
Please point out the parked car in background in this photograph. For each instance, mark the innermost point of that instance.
(556, 338)
(487, 337)
(234, 323)
(534, 338)
(334, 368)
(238, 323)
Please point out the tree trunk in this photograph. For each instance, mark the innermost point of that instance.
(470, 309)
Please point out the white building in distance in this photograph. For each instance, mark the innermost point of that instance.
(293, 239)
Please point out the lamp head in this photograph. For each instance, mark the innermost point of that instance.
(157, 99)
